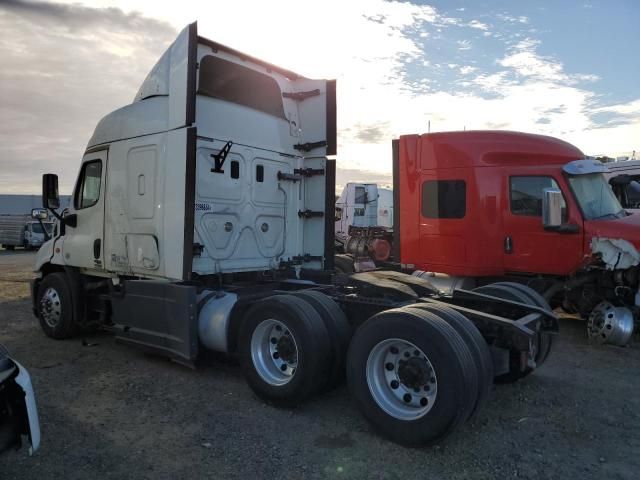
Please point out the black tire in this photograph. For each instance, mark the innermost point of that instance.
(509, 293)
(55, 307)
(449, 357)
(338, 328)
(310, 339)
(343, 264)
(476, 343)
(545, 340)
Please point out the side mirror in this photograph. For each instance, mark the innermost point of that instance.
(39, 214)
(551, 208)
(50, 197)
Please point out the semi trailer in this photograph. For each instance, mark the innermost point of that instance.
(203, 219)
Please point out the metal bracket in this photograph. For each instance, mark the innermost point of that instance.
(299, 173)
(300, 96)
(300, 259)
(220, 157)
(289, 176)
(309, 213)
(309, 172)
(305, 147)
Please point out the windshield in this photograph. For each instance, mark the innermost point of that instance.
(37, 228)
(595, 197)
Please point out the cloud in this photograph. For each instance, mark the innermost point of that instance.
(65, 65)
(372, 133)
(478, 25)
(63, 68)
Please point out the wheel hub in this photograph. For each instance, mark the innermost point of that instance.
(401, 379)
(610, 324)
(51, 307)
(274, 352)
(414, 373)
(287, 349)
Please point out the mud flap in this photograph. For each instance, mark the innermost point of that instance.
(158, 317)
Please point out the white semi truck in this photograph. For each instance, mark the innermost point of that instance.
(203, 218)
(23, 231)
(363, 227)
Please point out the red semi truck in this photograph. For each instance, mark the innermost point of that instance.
(484, 206)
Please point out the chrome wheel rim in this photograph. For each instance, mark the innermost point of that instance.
(274, 352)
(610, 324)
(51, 307)
(401, 379)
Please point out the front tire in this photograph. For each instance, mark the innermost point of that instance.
(55, 307)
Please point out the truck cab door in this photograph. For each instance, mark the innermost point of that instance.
(527, 246)
(84, 222)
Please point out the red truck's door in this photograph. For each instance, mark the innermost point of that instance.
(528, 247)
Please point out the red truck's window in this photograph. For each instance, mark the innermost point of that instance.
(444, 199)
(229, 81)
(526, 195)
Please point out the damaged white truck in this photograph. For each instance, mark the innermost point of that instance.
(203, 218)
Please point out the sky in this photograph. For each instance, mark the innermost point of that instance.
(569, 69)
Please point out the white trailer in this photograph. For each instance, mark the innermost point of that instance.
(203, 218)
(23, 231)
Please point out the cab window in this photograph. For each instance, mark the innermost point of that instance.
(444, 199)
(525, 195)
(88, 191)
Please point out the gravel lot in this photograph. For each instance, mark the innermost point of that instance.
(108, 411)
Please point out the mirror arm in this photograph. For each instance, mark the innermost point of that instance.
(55, 214)
(47, 237)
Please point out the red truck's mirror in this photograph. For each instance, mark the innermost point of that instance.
(551, 208)
(50, 197)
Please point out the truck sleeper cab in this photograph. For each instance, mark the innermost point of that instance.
(203, 218)
(476, 205)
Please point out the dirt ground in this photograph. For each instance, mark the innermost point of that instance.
(108, 411)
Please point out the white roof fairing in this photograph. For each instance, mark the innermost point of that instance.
(160, 103)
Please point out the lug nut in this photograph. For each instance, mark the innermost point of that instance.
(407, 398)
(274, 340)
(389, 366)
(393, 350)
(283, 367)
(276, 355)
(424, 401)
(394, 384)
